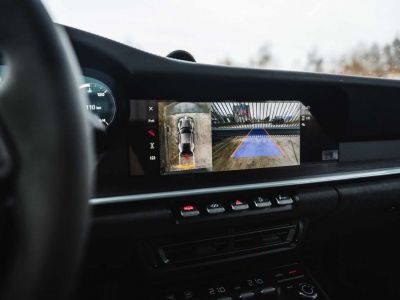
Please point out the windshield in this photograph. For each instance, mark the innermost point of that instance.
(355, 37)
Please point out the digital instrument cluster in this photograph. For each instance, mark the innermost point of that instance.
(101, 100)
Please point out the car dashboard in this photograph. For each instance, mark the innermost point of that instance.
(333, 123)
(213, 167)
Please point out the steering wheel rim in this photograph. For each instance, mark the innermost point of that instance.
(42, 113)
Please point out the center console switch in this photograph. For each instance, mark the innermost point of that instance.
(290, 282)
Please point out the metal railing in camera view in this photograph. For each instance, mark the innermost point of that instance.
(246, 115)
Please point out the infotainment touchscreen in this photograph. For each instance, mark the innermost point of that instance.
(186, 137)
(225, 136)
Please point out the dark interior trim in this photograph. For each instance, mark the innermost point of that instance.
(254, 186)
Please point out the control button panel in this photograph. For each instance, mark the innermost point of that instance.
(281, 283)
(252, 204)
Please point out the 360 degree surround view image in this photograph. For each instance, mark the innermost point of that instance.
(224, 136)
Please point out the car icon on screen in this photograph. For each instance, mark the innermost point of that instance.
(186, 136)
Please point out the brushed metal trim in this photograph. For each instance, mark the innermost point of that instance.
(251, 186)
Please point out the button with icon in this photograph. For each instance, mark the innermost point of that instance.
(283, 200)
(151, 132)
(262, 202)
(239, 205)
(189, 210)
(215, 208)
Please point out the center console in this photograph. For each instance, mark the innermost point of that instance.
(206, 186)
(234, 246)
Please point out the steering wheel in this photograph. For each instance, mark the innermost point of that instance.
(46, 154)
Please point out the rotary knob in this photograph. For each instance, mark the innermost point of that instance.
(307, 291)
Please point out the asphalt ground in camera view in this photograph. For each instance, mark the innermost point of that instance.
(256, 149)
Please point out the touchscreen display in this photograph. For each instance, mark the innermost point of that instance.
(225, 136)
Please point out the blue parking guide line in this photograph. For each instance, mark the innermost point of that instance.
(257, 143)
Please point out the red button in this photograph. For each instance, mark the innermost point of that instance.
(188, 208)
(152, 132)
(187, 211)
(239, 205)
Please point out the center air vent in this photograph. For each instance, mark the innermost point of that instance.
(236, 242)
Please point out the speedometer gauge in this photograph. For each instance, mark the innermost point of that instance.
(101, 100)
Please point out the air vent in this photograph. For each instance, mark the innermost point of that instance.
(235, 243)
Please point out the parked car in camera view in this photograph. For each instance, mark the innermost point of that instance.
(278, 121)
(186, 136)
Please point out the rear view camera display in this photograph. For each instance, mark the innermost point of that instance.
(225, 136)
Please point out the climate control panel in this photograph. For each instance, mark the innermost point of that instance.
(289, 282)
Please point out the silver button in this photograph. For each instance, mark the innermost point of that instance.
(283, 200)
(247, 295)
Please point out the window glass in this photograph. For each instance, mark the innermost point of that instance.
(356, 37)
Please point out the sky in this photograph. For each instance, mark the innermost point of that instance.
(213, 30)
